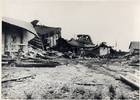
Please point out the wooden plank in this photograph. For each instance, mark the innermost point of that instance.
(37, 64)
(18, 79)
(89, 84)
(129, 81)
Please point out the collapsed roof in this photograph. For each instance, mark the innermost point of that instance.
(21, 24)
(45, 30)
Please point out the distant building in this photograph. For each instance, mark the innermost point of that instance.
(15, 36)
(102, 49)
(81, 45)
(134, 47)
(84, 39)
(48, 36)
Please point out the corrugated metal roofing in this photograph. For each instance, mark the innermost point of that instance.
(22, 24)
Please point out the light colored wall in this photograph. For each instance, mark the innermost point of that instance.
(131, 50)
(13, 46)
(8, 44)
(104, 51)
(27, 36)
(55, 37)
(52, 40)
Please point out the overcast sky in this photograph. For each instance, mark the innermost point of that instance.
(104, 20)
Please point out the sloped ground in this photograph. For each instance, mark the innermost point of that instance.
(75, 79)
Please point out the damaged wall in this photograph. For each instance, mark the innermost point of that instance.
(15, 38)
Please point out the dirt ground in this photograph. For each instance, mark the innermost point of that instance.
(74, 79)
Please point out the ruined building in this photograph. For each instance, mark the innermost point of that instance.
(48, 36)
(102, 50)
(134, 47)
(84, 39)
(15, 36)
(81, 44)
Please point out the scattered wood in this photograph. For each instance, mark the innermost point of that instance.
(32, 59)
(89, 84)
(4, 62)
(134, 64)
(132, 82)
(19, 79)
(36, 62)
(39, 64)
(5, 76)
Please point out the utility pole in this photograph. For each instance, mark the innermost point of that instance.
(116, 45)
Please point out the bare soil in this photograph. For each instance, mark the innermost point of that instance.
(74, 79)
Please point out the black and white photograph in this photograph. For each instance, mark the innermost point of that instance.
(70, 49)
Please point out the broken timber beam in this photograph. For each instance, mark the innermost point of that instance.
(89, 84)
(18, 79)
(130, 82)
